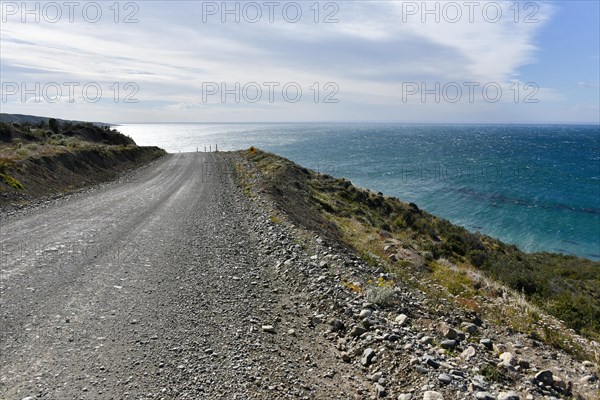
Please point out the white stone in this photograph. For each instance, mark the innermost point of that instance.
(431, 395)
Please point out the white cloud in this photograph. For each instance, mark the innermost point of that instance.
(589, 85)
(369, 53)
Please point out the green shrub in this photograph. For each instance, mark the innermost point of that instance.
(53, 125)
(383, 296)
(477, 257)
(12, 182)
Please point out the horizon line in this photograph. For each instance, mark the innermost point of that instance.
(356, 122)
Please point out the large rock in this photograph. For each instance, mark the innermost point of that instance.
(469, 327)
(508, 359)
(367, 357)
(380, 389)
(401, 319)
(559, 383)
(336, 325)
(546, 377)
(445, 379)
(431, 361)
(431, 395)
(357, 331)
(368, 322)
(447, 331)
(509, 396)
(588, 379)
(478, 384)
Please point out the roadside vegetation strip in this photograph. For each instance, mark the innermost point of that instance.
(464, 269)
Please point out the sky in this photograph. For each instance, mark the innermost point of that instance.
(277, 61)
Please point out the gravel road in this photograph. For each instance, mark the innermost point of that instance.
(153, 287)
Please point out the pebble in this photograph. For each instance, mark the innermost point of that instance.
(357, 331)
(456, 372)
(445, 379)
(426, 340)
(431, 361)
(345, 357)
(448, 344)
(469, 353)
(381, 391)
(447, 331)
(376, 376)
(478, 384)
(469, 327)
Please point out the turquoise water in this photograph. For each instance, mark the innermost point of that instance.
(535, 186)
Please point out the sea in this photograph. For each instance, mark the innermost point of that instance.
(535, 186)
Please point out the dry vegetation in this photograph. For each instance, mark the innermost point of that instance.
(528, 293)
(46, 158)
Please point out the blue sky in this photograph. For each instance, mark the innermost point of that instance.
(370, 61)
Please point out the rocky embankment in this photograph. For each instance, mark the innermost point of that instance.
(37, 162)
(393, 336)
(52, 175)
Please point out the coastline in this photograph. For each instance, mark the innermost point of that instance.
(502, 176)
(399, 235)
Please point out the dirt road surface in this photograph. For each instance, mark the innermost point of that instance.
(152, 288)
